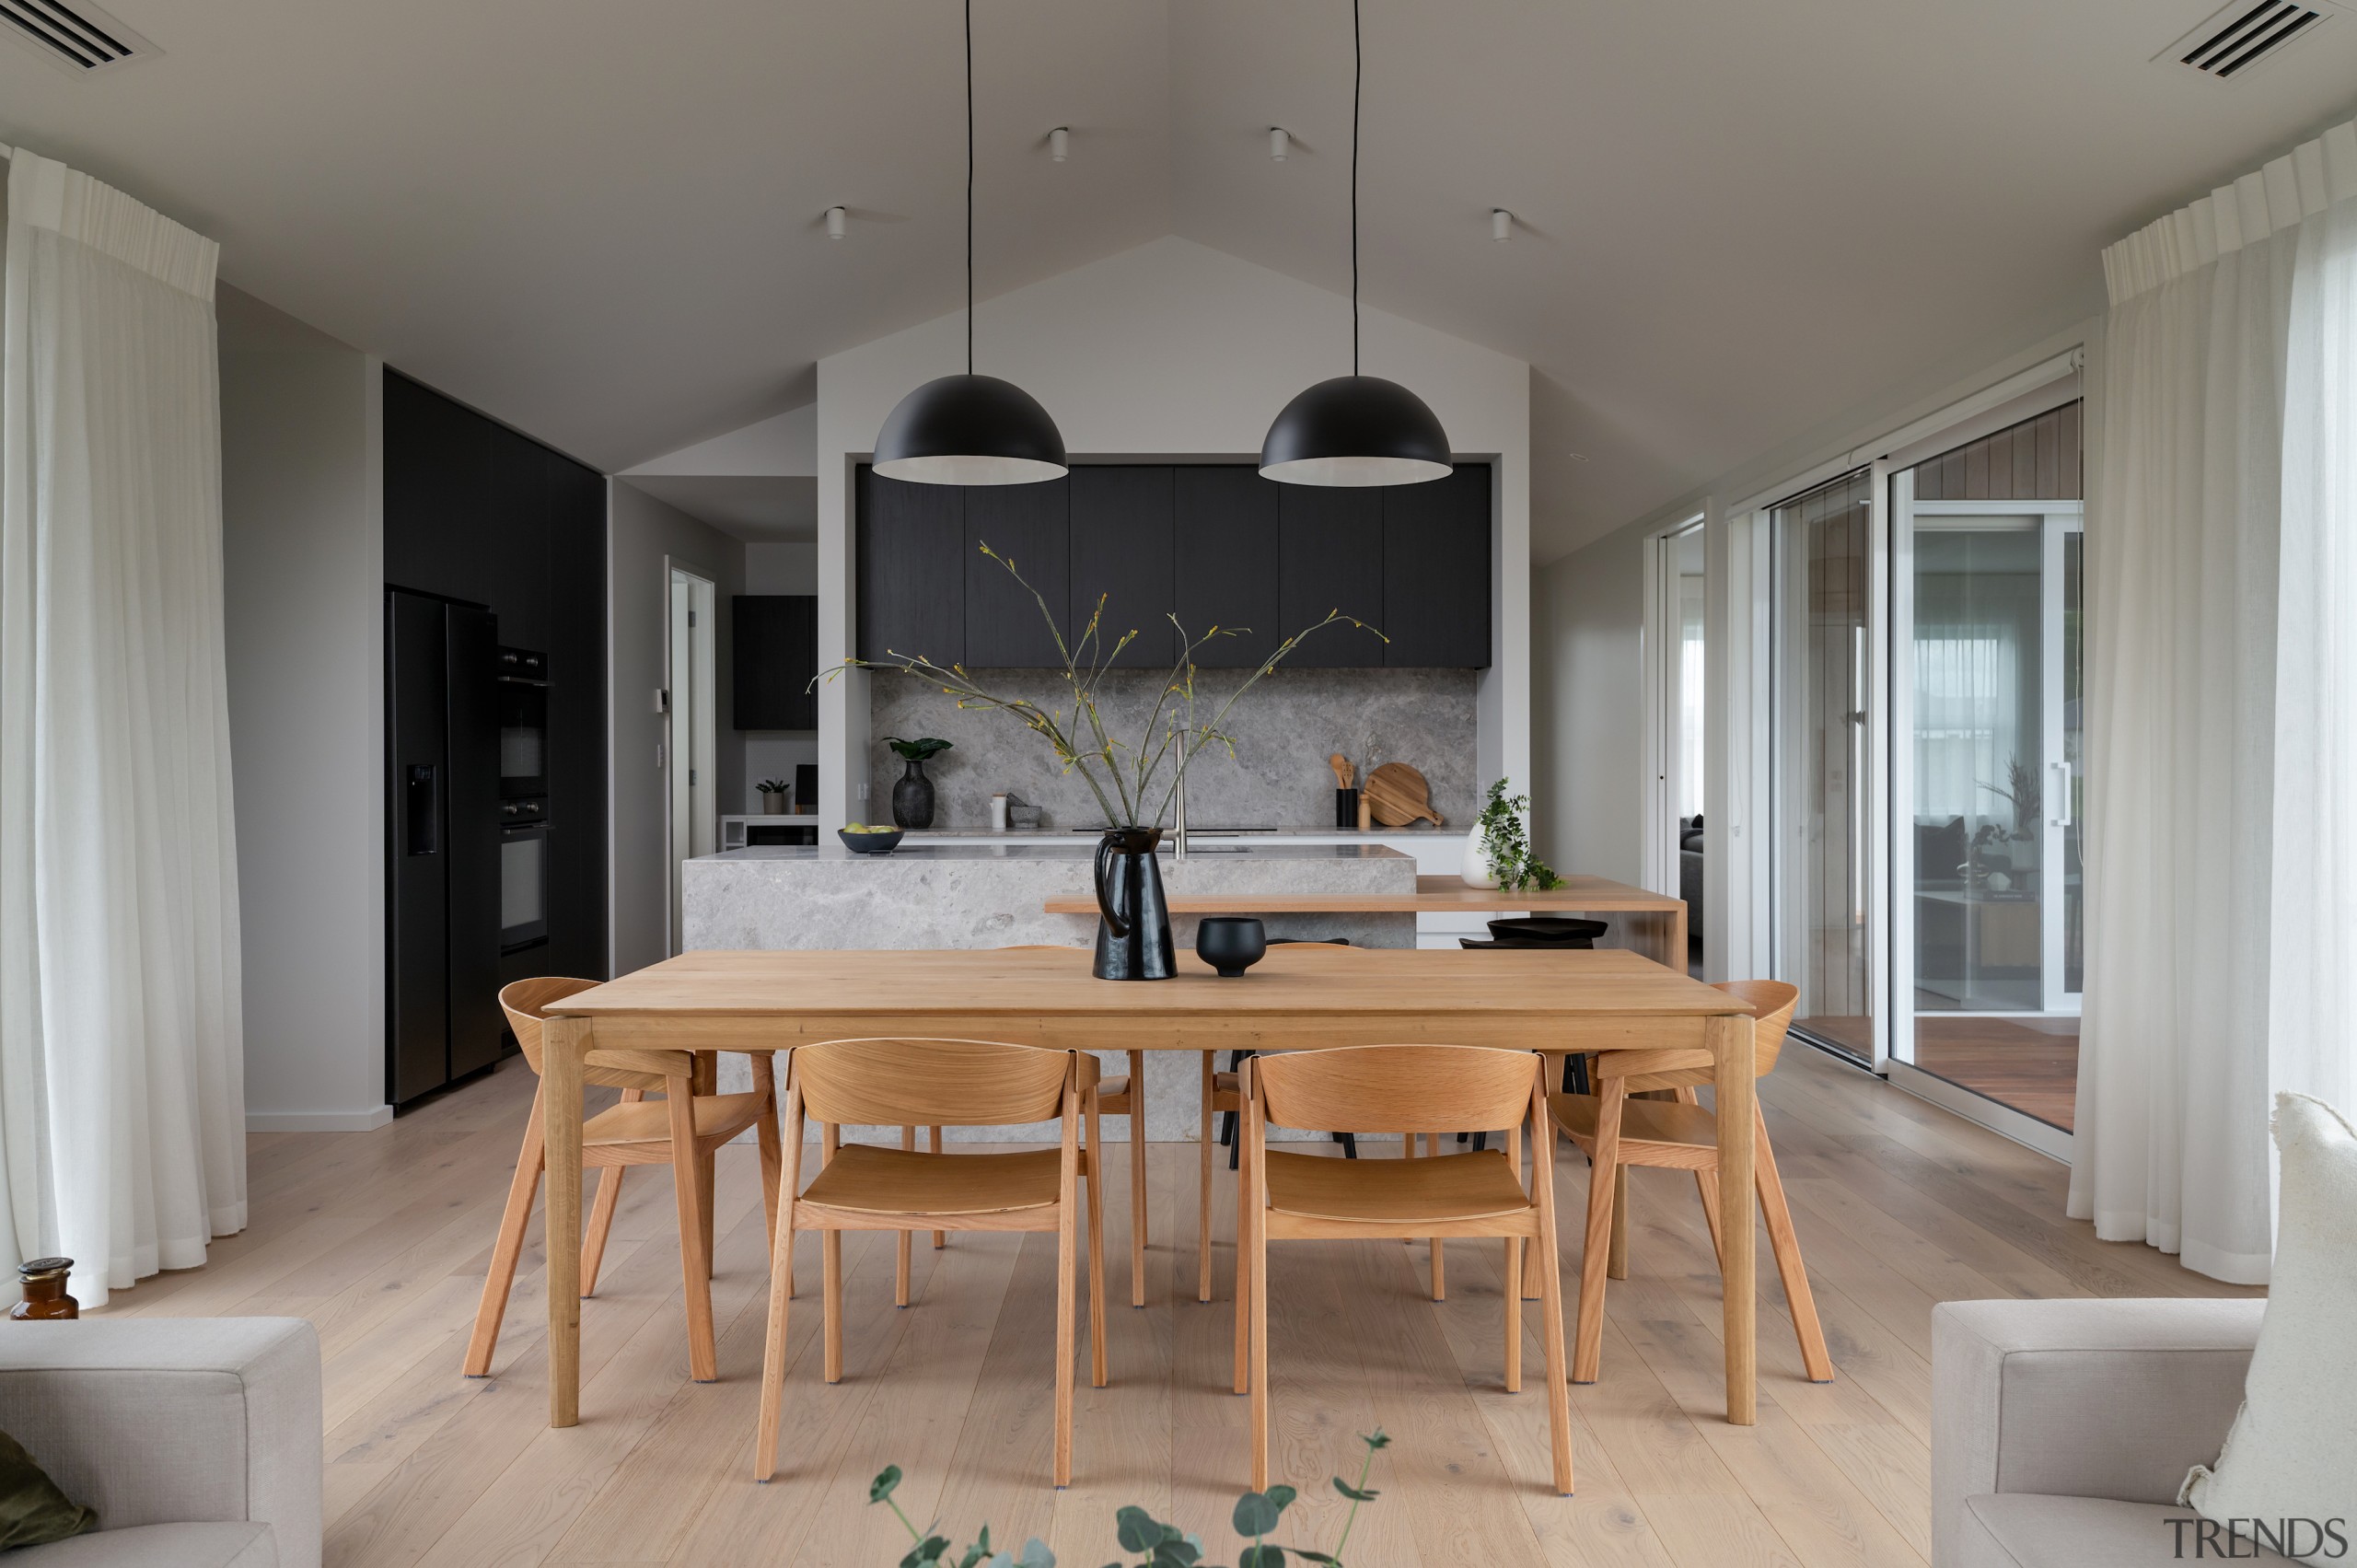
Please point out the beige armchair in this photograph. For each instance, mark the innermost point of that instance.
(197, 1440)
(2061, 1430)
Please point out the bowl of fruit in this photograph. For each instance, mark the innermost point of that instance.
(863, 838)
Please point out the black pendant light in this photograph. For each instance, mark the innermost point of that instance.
(1354, 429)
(970, 429)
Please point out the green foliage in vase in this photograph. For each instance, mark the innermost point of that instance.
(1503, 842)
(922, 750)
(1128, 778)
(773, 786)
(1153, 1543)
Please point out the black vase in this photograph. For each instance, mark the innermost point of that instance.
(1133, 917)
(912, 798)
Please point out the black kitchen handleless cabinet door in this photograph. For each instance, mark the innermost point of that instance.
(1330, 557)
(1436, 572)
(1225, 562)
(1030, 527)
(417, 1047)
(471, 836)
(776, 657)
(911, 566)
(1122, 548)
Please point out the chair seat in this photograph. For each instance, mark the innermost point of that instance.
(1642, 1121)
(649, 1121)
(1454, 1187)
(1113, 1094)
(863, 1179)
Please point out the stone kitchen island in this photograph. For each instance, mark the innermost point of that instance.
(994, 895)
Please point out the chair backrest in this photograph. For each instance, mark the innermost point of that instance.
(526, 1005)
(931, 1083)
(1396, 1088)
(1773, 1002)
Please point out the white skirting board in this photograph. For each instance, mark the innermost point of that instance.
(319, 1121)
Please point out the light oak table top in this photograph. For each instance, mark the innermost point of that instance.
(1298, 997)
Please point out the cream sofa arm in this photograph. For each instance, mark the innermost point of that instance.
(2080, 1399)
(174, 1421)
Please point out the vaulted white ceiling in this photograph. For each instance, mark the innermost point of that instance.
(601, 220)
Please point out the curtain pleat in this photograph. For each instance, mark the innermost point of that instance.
(122, 1094)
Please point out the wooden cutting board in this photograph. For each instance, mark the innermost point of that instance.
(1396, 795)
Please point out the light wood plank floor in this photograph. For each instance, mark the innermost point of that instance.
(382, 1239)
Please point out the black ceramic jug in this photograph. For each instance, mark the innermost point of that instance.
(1133, 919)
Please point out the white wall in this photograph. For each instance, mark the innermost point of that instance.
(1173, 349)
(1587, 798)
(642, 534)
(302, 500)
(775, 753)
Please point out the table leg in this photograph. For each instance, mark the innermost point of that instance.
(563, 1044)
(1734, 1093)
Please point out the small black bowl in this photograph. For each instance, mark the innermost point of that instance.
(1231, 944)
(869, 843)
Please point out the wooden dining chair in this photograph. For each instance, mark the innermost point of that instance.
(1677, 1134)
(937, 1083)
(1427, 1089)
(684, 1132)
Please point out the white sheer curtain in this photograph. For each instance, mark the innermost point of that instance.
(2214, 720)
(122, 1080)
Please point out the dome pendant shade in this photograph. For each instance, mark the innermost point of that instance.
(971, 430)
(1355, 430)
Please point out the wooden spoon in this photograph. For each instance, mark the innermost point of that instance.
(1344, 778)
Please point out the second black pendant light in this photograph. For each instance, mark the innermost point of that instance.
(970, 429)
(1354, 429)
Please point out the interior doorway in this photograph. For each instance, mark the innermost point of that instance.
(691, 741)
(1679, 725)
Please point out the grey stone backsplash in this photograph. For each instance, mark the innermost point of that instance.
(1284, 729)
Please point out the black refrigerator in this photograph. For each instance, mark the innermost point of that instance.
(442, 843)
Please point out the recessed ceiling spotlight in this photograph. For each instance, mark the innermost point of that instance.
(835, 223)
(1059, 143)
(1576, 457)
(1280, 144)
(1501, 223)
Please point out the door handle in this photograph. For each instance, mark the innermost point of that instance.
(2060, 814)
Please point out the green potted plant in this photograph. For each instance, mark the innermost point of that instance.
(1497, 853)
(913, 796)
(773, 792)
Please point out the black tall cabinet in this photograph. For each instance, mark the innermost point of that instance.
(482, 515)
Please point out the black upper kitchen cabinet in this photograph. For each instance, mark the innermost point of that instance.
(776, 659)
(1436, 572)
(1330, 545)
(1122, 548)
(1224, 565)
(1029, 526)
(911, 542)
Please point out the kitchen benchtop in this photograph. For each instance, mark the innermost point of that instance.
(1074, 848)
(1431, 895)
(1194, 835)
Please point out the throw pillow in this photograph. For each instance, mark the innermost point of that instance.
(2292, 1454)
(32, 1511)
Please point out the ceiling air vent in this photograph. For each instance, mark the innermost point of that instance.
(2245, 33)
(81, 38)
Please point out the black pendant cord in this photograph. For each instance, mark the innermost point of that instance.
(1358, 71)
(969, 190)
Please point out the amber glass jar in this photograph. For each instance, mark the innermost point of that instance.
(45, 1282)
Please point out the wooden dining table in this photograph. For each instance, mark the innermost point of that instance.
(1298, 997)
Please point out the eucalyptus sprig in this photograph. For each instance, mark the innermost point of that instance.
(1157, 1545)
(1503, 842)
(1126, 778)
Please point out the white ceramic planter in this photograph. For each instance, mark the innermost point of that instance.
(1476, 872)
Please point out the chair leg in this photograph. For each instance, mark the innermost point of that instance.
(774, 1354)
(1786, 1244)
(1616, 1261)
(932, 1145)
(1137, 1179)
(1512, 1292)
(707, 1081)
(902, 1240)
(1550, 1323)
(695, 1264)
(831, 1289)
(1244, 1282)
(772, 1146)
(1440, 1275)
(509, 1247)
(601, 1225)
(1203, 1219)
(1259, 1416)
(1604, 1180)
(1092, 1240)
(1067, 1267)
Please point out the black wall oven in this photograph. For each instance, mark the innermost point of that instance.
(523, 725)
(523, 876)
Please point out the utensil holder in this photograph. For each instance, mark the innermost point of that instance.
(1346, 808)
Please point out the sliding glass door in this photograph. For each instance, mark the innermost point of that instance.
(1825, 866)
